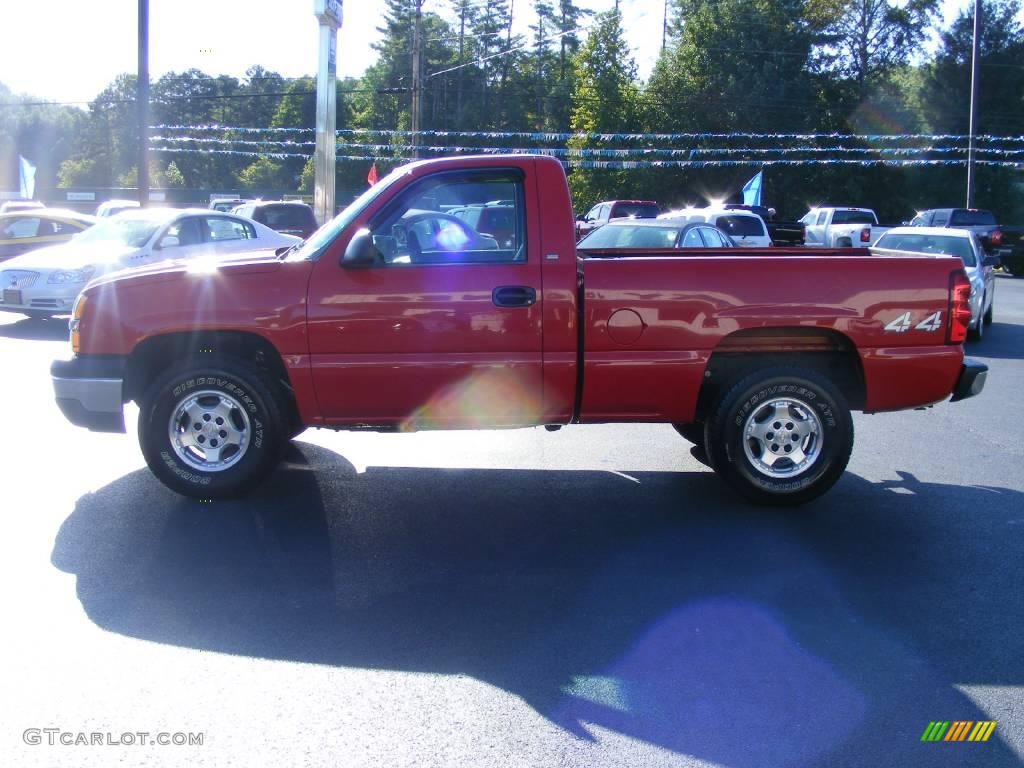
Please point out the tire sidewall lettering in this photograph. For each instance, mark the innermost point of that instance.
(164, 457)
(734, 449)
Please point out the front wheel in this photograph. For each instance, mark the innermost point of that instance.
(210, 431)
(781, 436)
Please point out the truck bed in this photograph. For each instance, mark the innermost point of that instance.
(669, 312)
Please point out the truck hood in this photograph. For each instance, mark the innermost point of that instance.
(243, 263)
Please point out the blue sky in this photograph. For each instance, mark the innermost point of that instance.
(68, 50)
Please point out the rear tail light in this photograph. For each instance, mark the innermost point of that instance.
(959, 307)
(996, 237)
(865, 235)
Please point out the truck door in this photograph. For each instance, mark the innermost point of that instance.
(443, 330)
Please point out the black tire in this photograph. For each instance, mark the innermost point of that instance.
(255, 420)
(977, 333)
(1015, 268)
(989, 313)
(693, 432)
(815, 402)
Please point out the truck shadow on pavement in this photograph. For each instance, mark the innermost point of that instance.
(1002, 341)
(651, 604)
(52, 329)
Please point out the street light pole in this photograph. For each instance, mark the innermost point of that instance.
(142, 102)
(328, 13)
(974, 104)
(417, 95)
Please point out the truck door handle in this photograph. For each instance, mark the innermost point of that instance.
(513, 296)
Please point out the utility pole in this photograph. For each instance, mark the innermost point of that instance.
(417, 85)
(462, 51)
(328, 13)
(142, 102)
(974, 104)
(664, 25)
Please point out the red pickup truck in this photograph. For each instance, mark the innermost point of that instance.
(399, 316)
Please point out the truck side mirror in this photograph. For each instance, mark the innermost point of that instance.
(360, 251)
(169, 241)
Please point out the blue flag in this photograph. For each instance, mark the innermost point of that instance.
(752, 190)
(27, 174)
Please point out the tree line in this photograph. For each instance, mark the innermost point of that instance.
(855, 68)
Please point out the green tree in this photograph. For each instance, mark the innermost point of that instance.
(172, 176)
(868, 39)
(945, 100)
(606, 99)
(264, 173)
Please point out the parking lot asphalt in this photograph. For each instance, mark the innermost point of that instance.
(591, 597)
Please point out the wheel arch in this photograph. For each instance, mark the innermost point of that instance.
(156, 354)
(822, 350)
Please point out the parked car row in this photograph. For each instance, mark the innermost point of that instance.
(46, 281)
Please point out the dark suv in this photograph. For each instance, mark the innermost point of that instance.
(288, 216)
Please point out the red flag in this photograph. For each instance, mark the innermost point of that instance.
(371, 177)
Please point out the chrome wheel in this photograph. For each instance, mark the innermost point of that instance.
(782, 438)
(209, 431)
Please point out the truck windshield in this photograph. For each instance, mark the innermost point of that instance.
(968, 218)
(638, 210)
(853, 217)
(741, 226)
(315, 244)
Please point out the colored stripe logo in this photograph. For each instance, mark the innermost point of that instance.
(958, 730)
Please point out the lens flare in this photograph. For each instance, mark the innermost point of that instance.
(492, 397)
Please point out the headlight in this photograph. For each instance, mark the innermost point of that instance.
(72, 275)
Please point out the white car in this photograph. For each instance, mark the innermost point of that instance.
(952, 242)
(113, 207)
(745, 228)
(47, 281)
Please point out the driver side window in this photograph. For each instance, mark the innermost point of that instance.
(182, 233)
(423, 225)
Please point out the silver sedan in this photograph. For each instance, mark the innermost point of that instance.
(47, 281)
(953, 242)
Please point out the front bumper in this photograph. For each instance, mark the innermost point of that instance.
(89, 391)
(41, 297)
(971, 380)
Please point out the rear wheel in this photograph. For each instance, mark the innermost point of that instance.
(781, 436)
(987, 319)
(210, 431)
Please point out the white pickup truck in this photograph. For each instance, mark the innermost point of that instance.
(842, 227)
